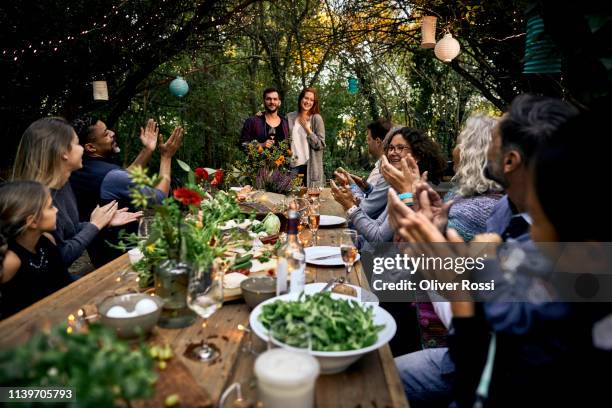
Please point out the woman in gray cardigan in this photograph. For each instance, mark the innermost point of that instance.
(307, 137)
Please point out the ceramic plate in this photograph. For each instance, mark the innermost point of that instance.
(322, 256)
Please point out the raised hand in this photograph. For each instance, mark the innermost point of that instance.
(305, 124)
(149, 135)
(169, 148)
(435, 211)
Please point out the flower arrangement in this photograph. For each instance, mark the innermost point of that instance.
(185, 225)
(267, 169)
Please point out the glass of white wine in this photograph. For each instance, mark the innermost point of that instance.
(205, 297)
(348, 249)
(314, 218)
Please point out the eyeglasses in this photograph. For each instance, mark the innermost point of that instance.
(398, 148)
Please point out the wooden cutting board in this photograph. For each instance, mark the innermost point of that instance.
(176, 379)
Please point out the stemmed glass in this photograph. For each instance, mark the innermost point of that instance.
(314, 217)
(348, 249)
(144, 226)
(205, 296)
(314, 191)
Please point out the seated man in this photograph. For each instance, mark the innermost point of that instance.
(269, 128)
(101, 180)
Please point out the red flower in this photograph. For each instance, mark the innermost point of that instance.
(218, 178)
(201, 174)
(187, 196)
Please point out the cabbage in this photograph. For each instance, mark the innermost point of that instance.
(272, 224)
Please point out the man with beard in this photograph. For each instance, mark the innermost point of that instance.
(102, 180)
(269, 128)
(527, 125)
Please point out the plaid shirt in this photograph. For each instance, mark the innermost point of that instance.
(255, 129)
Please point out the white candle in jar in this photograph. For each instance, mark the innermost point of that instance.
(286, 378)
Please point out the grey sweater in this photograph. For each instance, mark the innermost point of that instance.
(373, 230)
(316, 142)
(72, 237)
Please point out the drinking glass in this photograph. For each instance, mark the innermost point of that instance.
(205, 296)
(314, 217)
(144, 226)
(348, 249)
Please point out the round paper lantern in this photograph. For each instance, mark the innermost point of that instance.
(100, 90)
(179, 87)
(428, 31)
(447, 48)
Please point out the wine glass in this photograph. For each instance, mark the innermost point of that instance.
(314, 191)
(205, 296)
(348, 249)
(314, 217)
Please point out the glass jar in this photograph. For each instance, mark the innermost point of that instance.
(171, 281)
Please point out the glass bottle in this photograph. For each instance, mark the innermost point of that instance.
(291, 259)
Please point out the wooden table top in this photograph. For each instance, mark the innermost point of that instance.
(373, 381)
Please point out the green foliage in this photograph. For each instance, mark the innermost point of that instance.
(104, 371)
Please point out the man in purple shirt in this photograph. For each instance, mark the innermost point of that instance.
(269, 128)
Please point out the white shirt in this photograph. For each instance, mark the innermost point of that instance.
(375, 175)
(299, 145)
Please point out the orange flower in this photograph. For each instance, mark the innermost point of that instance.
(260, 149)
(280, 161)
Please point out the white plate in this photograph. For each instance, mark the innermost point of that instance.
(363, 295)
(329, 220)
(332, 361)
(321, 251)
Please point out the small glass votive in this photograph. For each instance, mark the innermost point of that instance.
(286, 378)
(135, 255)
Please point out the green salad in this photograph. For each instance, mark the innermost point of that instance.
(334, 324)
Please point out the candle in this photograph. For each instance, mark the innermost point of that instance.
(286, 378)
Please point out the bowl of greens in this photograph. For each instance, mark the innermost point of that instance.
(341, 328)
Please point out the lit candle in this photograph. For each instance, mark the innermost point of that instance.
(286, 379)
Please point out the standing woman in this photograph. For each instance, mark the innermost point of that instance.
(307, 135)
(49, 151)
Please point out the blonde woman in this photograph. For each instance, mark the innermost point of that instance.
(49, 151)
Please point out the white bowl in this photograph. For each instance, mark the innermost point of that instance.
(332, 361)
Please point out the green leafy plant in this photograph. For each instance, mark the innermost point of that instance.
(103, 370)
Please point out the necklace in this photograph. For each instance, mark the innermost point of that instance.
(42, 260)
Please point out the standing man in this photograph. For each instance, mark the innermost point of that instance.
(269, 128)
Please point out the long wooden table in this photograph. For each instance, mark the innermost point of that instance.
(373, 381)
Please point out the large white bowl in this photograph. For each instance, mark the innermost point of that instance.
(332, 361)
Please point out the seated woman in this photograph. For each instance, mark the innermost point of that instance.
(405, 143)
(49, 151)
(31, 266)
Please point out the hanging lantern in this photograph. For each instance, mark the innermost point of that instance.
(447, 48)
(179, 87)
(428, 31)
(541, 54)
(353, 85)
(100, 90)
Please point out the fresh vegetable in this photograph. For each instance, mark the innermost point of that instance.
(171, 400)
(272, 224)
(244, 265)
(334, 324)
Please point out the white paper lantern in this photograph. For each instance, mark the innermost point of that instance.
(100, 91)
(428, 31)
(447, 48)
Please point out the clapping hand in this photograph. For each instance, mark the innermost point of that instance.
(149, 135)
(343, 195)
(122, 217)
(169, 148)
(402, 180)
